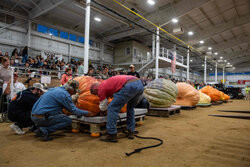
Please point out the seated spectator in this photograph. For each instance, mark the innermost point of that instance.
(81, 68)
(67, 76)
(6, 54)
(20, 108)
(105, 74)
(17, 86)
(91, 72)
(14, 52)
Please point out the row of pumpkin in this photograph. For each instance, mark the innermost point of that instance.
(160, 93)
(163, 93)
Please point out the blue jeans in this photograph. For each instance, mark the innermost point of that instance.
(25, 58)
(54, 123)
(129, 95)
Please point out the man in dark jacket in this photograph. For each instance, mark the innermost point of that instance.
(20, 108)
(133, 72)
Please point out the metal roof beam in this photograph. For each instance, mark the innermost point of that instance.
(45, 6)
(212, 31)
(179, 9)
(228, 44)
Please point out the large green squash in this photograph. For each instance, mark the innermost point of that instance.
(161, 93)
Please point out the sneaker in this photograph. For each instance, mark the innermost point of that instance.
(17, 129)
(109, 138)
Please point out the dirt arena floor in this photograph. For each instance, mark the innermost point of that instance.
(192, 139)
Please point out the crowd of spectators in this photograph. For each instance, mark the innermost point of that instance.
(75, 68)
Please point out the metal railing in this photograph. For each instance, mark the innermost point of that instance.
(167, 53)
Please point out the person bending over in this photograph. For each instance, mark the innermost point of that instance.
(124, 89)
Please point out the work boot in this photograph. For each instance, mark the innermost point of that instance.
(130, 134)
(109, 138)
(46, 137)
(38, 133)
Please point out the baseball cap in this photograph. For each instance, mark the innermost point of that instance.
(39, 86)
(131, 66)
(73, 84)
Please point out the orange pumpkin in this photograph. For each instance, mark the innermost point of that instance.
(213, 93)
(222, 96)
(86, 100)
(226, 97)
(187, 95)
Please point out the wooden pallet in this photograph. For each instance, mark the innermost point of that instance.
(203, 105)
(164, 112)
(97, 125)
(217, 102)
(188, 107)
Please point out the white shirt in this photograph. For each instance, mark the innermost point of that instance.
(17, 87)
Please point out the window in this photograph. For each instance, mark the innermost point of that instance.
(81, 39)
(135, 54)
(64, 35)
(53, 32)
(127, 51)
(42, 29)
(72, 37)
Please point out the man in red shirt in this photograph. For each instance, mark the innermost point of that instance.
(124, 89)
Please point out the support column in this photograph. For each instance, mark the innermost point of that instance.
(188, 64)
(102, 53)
(205, 70)
(153, 46)
(215, 71)
(28, 36)
(86, 37)
(157, 54)
(223, 77)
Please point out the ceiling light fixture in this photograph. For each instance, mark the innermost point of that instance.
(216, 53)
(201, 42)
(151, 2)
(174, 20)
(202, 65)
(50, 34)
(190, 33)
(221, 57)
(211, 69)
(228, 63)
(209, 48)
(97, 19)
(225, 60)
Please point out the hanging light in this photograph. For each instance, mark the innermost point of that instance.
(201, 42)
(216, 53)
(174, 20)
(190, 33)
(209, 48)
(151, 2)
(97, 19)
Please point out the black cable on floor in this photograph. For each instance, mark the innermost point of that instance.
(137, 150)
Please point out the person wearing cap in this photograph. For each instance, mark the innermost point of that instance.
(47, 111)
(67, 76)
(124, 89)
(20, 108)
(133, 72)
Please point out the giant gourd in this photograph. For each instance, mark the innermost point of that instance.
(204, 99)
(211, 92)
(86, 100)
(187, 95)
(161, 93)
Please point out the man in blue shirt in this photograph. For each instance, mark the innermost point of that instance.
(47, 111)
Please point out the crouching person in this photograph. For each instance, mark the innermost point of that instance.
(124, 89)
(47, 111)
(20, 108)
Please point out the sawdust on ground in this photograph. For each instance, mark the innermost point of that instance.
(192, 139)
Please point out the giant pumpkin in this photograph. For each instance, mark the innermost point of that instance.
(160, 93)
(213, 93)
(187, 95)
(204, 99)
(86, 100)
